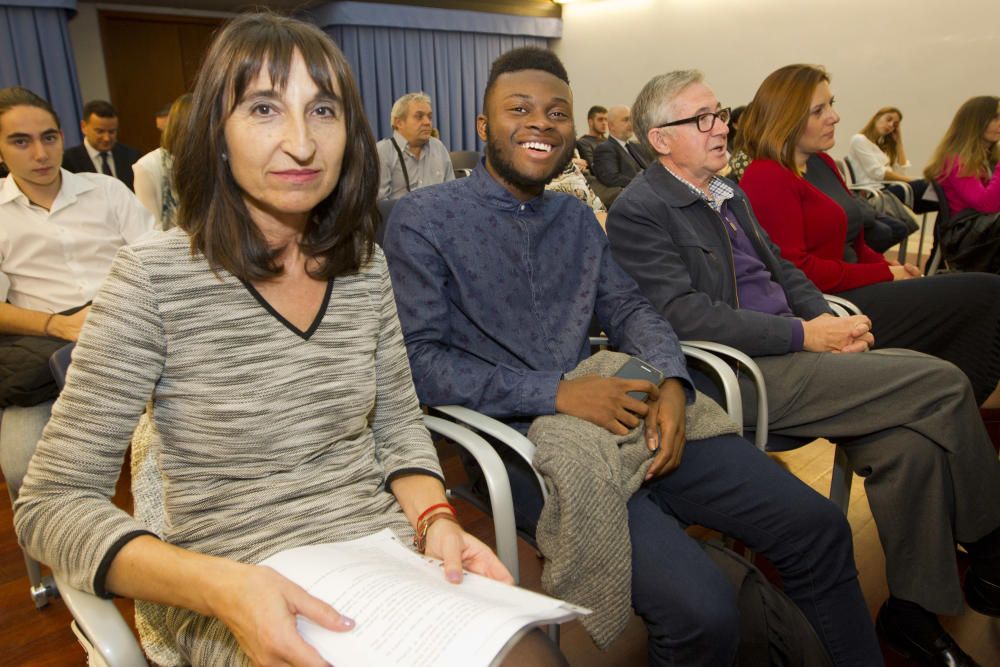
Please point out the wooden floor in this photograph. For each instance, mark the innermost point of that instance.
(42, 637)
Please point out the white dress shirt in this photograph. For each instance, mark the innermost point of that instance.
(148, 182)
(57, 259)
(869, 161)
(95, 157)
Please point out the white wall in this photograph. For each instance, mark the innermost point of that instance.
(85, 34)
(924, 56)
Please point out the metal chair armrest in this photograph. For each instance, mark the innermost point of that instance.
(760, 436)
(727, 378)
(842, 306)
(873, 190)
(101, 622)
(498, 430)
(497, 484)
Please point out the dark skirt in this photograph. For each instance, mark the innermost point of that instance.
(954, 316)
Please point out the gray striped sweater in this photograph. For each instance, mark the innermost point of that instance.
(271, 438)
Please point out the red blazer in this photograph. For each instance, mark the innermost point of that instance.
(810, 228)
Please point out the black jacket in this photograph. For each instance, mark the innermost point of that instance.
(77, 160)
(614, 166)
(676, 247)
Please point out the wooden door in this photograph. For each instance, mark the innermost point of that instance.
(151, 59)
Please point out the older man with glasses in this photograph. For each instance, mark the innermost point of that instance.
(908, 421)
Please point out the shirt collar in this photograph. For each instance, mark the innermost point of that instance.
(91, 151)
(72, 185)
(404, 145)
(721, 192)
(489, 189)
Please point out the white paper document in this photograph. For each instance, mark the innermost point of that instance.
(407, 614)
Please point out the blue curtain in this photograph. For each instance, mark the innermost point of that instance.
(35, 52)
(395, 49)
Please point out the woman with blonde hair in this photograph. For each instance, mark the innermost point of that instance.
(877, 154)
(804, 205)
(965, 162)
(154, 171)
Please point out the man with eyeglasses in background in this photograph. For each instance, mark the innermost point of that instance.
(907, 421)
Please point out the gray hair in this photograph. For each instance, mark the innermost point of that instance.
(401, 107)
(654, 105)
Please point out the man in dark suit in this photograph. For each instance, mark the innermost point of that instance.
(100, 151)
(618, 160)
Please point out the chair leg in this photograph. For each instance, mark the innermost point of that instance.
(840, 484)
(42, 589)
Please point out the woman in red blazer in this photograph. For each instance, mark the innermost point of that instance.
(804, 204)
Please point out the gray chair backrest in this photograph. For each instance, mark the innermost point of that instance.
(464, 160)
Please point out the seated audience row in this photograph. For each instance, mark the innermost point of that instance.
(263, 247)
(457, 251)
(221, 323)
(798, 195)
(908, 421)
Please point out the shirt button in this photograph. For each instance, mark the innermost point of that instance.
(522, 207)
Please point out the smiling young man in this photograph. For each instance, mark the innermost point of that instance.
(411, 158)
(58, 234)
(908, 421)
(497, 281)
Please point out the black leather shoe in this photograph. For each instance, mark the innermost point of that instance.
(940, 651)
(982, 595)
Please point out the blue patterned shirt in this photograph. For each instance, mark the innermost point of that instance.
(496, 296)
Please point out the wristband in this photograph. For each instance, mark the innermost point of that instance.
(420, 538)
(48, 320)
(438, 506)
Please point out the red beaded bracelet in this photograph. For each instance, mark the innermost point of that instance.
(438, 506)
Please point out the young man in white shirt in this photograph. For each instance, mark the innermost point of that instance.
(59, 234)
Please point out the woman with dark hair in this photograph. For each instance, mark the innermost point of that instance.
(263, 331)
(877, 155)
(800, 199)
(965, 162)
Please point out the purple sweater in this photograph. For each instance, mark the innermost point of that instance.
(755, 287)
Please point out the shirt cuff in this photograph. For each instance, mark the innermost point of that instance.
(538, 392)
(798, 338)
(101, 576)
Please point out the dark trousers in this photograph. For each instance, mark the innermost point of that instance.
(912, 430)
(689, 607)
(954, 316)
(919, 186)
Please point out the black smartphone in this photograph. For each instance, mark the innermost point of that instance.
(637, 369)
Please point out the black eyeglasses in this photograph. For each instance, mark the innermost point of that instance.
(705, 121)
